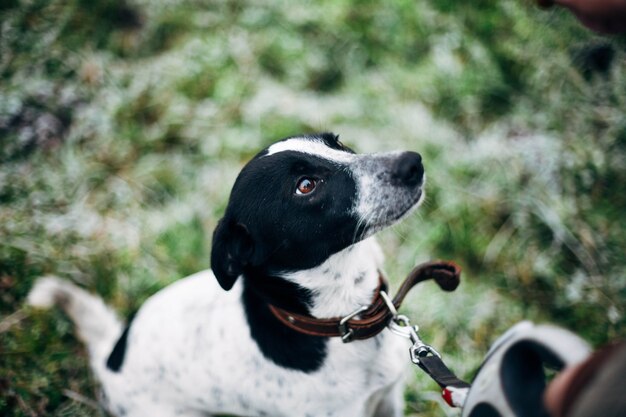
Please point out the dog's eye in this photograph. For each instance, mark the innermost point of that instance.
(305, 186)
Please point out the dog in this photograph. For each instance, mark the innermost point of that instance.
(297, 233)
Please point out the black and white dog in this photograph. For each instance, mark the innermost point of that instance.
(297, 233)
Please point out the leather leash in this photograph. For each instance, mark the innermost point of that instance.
(367, 322)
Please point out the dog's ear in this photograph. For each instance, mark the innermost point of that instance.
(231, 251)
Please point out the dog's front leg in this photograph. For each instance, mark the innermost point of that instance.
(392, 402)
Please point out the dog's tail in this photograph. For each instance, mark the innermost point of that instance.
(97, 325)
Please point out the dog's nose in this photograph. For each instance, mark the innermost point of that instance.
(408, 169)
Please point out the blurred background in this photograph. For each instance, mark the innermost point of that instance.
(123, 124)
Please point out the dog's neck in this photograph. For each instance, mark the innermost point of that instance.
(344, 282)
(337, 287)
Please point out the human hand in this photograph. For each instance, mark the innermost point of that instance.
(603, 16)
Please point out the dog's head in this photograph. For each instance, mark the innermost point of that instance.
(307, 197)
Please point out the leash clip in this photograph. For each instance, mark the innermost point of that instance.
(401, 325)
(421, 350)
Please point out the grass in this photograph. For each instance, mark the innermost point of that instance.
(124, 124)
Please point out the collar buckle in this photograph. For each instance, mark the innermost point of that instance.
(345, 331)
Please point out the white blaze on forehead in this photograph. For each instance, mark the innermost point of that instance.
(311, 147)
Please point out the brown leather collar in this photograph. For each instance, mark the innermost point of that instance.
(370, 321)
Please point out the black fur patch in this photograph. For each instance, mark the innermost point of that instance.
(286, 231)
(278, 343)
(332, 141)
(269, 229)
(116, 358)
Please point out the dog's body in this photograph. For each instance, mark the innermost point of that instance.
(289, 233)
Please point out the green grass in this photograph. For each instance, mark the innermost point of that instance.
(124, 124)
